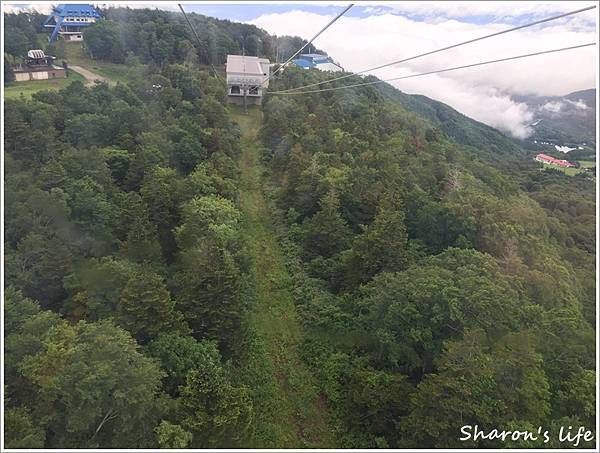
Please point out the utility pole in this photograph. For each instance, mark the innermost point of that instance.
(244, 80)
(245, 105)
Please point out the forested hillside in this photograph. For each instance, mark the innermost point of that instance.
(356, 268)
(458, 127)
(124, 266)
(569, 119)
(439, 289)
(156, 37)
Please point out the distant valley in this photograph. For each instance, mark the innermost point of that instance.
(568, 122)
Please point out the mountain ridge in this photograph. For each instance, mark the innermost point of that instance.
(562, 120)
(458, 126)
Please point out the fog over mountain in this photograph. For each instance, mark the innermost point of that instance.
(569, 119)
(484, 93)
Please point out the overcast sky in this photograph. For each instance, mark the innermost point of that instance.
(373, 33)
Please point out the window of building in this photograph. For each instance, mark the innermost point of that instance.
(235, 89)
(79, 36)
(253, 90)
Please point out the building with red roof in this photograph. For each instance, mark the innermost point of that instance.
(545, 159)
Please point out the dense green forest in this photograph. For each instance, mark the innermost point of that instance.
(156, 37)
(436, 276)
(444, 282)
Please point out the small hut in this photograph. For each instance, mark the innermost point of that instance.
(38, 66)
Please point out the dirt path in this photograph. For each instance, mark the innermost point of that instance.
(90, 76)
(298, 415)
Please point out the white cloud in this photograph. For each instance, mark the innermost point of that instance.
(579, 104)
(485, 104)
(44, 8)
(553, 106)
(482, 93)
(496, 9)
(374, 10)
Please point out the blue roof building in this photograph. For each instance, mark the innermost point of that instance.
(317, 61)
(303, 63)
(69, 21)
(314, 57)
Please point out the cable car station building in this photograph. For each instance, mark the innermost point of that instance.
(317, 61)
(247, 77)
(69, 21)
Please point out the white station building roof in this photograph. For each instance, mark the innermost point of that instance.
(246, 69)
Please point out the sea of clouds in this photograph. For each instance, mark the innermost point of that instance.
(483, 93)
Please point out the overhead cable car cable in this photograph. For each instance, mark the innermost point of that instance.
(198, 40)
(309, 42)
(520, 27)
(288, 93)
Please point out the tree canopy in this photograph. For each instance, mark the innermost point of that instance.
(434, 276)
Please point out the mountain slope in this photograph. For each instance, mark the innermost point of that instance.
(367, 269)
(481, 140)
(563, 120)
(457, 126)
(425, 266)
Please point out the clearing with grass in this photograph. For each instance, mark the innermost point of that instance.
(291, 413)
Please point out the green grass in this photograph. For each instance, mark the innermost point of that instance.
(570, 171)
(42, 40)
(250, 122)
(16, 89)
(583, 166)
(289, 411)
(75, 55)
(587, 163)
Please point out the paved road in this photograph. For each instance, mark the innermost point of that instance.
(90, 76)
